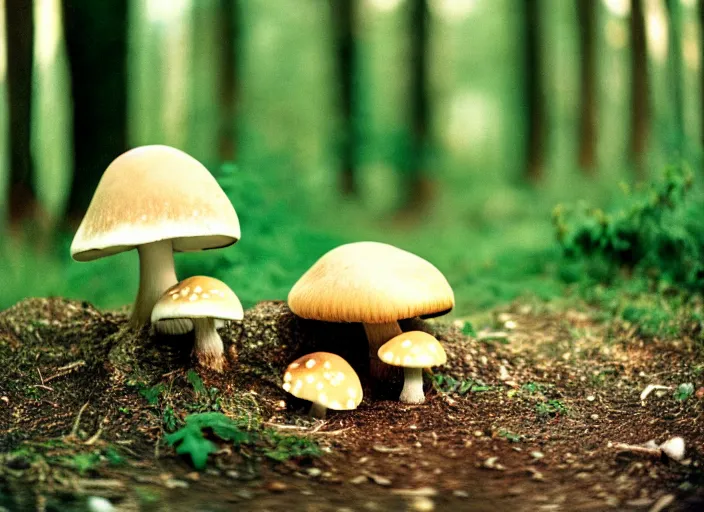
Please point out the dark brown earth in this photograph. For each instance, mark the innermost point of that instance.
(556, 392)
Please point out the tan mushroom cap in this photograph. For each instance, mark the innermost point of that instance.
(198, 297)
(413, 349)
(154, 193)
(325, 379)
(370, 282)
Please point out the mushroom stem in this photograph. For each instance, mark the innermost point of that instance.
(208, 348)
(412, 386)
(156, 275)
(317, 411)
(377, 335)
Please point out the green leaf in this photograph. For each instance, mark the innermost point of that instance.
(684, 391)
(191, 442)
(197, 383)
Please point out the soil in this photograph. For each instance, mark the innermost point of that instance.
(532, 420)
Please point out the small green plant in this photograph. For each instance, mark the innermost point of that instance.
(169, 419)
(197, 383)
(551, 408)
(468, 329)
(447, 384)
(281, 448)
(532, 388)
(151, 394)
(190, 440)
(684, 391)
(510, 436)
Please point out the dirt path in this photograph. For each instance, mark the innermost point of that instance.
(527, 416)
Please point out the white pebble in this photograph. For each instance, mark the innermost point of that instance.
(98, 504)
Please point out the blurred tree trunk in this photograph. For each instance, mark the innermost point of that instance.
(639, 88)
(96, 41)
(343, 18)
(535, 150)
(419, 182)
(588, 108)
(19, 21)
(229, 35)
(674, 71)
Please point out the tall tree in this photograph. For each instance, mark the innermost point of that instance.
(674, 72)
(535, 106)
(96, 42)
(229, 23)
(639, 88)
(587, 122)
(19, 21)
(343, 18)
(418, 182)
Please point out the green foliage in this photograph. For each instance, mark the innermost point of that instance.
(551, 408)
(656, 232)
(448, 384)
(468, 329)
(510, 436)
(197, 383)
(190, 440)
(684, 391)
(281, 448)
(151, 394)
(533, 387)
(277, 244)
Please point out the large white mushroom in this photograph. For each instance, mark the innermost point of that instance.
(373, 283)
(156, 199)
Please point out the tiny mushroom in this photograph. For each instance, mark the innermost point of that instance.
(413, 351)
(206, 302)
(156, 199)
(325, 379)
(373, 283)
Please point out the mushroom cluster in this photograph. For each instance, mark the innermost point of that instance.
(377, 285)
(160, 200)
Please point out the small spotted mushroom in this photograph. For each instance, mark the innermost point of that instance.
(206, 302)
(413, 351)
(325, 379)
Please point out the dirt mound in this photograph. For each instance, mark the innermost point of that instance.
(525, 418)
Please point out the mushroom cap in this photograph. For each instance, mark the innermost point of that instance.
(154, 193)
(198, 297)
(370, 282)
(413, 349)
(325, 379)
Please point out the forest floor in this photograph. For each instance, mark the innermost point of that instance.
(541, 410)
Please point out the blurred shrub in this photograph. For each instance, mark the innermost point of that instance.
(654, 232)
(278, 242)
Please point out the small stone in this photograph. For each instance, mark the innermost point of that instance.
(674, 448)
(460, 494)
(591, 398)
(231, 473)
(380, 480)
(537, 455)
(99, 504)
(173, 483)
(422, 504)
(193, 476)
(359, 479)
(244, 494)
(583, 476)
(478, 433)
(314, 472)
(276, 486)
(594, 417)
